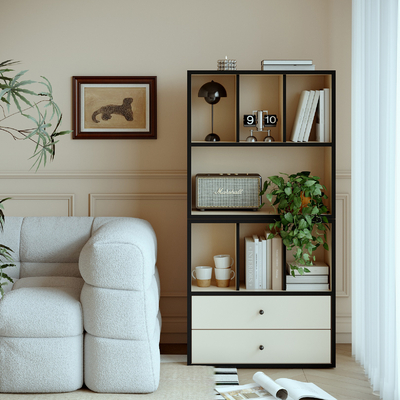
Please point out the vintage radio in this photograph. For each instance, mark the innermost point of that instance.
(228, 191)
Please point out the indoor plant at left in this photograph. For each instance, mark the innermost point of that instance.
(26, 113)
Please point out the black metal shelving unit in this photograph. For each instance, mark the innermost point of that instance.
(251, 218)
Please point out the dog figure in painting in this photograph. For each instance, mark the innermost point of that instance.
(125, 110)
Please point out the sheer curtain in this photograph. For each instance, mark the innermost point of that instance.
(375, 193)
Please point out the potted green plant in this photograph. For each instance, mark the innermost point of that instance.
(298, 200)
(38, 118)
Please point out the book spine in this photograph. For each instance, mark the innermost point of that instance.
(249, 253)
(276, 263)
(257, 264)
(311, 116)
(316, 269)
(306, 287)
(320, 120)
(286, 67)
(306, 115)
(286, 62)
(264, 269)
(301, 109)
(327, 133)
(268, 265)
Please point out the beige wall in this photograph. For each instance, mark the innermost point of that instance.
(61, 39)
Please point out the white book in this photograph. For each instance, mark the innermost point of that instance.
(257, 262)
(306, 115)
(287, 67)
(320, 118)
(306, 287)
(269, 259)
(311, 116)
(327, 133)
(318, 268)
(276, 263)
(298, 120)
(264, 263)
(286, 62)
(249, 262)
(307, 278)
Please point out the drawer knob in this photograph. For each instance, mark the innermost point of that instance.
(261, 347)
(261, 312)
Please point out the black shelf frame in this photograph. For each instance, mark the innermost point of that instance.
(260, 218)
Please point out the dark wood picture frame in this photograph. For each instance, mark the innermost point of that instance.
(114, 107)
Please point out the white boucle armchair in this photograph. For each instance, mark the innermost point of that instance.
(84, 307)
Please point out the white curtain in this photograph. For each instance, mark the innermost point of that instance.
(375, 193)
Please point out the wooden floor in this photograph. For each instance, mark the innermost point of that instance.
(345, 382)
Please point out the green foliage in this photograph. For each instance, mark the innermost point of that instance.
(5, 255)
(33, 106)
(298, 199)
(19, 99)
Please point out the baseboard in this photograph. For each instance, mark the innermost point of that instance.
(173, 348)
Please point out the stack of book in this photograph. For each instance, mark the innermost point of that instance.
(287, 65)
(312, 103)
(316, 279)
(263, 262)
(225, 377)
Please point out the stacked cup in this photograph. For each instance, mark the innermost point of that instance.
(223, 272)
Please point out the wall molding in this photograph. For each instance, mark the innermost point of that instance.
(178, 174)
(345, 174)
(70, 198)
(345, 239)
(95, 175)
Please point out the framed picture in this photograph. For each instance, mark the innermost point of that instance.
(122, 107)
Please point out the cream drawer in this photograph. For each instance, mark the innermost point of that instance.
(243, 347)
(277, 312)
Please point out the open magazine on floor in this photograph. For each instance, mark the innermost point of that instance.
(282, 389)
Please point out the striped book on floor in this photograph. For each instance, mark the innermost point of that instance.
(224, 377)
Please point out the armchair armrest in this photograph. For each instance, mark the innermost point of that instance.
(121, 254)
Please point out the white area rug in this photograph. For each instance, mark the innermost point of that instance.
(178, 382)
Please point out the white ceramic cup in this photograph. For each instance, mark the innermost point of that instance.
(224, 273)
(202, 274)
(223, 261)
(223, 276)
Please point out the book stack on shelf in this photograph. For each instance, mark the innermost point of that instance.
(312, 104)
(263, 262)
(287, 65)
(316, 279)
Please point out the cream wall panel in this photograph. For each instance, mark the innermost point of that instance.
(167, 215)
(39, 205)
(343, 257)
(315, 29)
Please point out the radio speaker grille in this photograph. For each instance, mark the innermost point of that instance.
(222, 192)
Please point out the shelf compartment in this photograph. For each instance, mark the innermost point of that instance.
(266, 162)
(208, 240)
(224, 111)
(261, 92)
(321, 255)
(295, 84)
